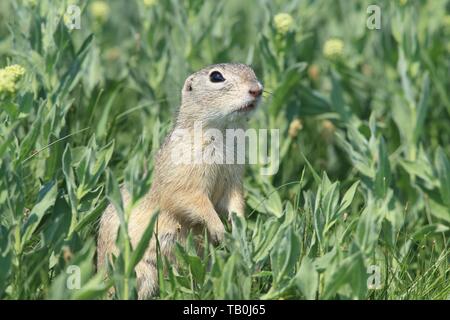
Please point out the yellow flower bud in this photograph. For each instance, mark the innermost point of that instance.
(149, 3)
(9, 77)
(283, 22)
(314, 72)
(328, 130)
(333, 48)
(100, 10)
(295, 126)
(112, 54)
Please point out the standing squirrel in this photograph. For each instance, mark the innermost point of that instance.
(189, 195)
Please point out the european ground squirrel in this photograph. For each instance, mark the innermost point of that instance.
(190, 195)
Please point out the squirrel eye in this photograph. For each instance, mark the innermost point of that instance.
(216, 76)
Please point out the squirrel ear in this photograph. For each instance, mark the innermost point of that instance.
(188, 84)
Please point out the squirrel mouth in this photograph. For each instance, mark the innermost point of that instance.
(247, 107)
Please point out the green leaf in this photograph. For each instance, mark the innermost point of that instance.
(92, 216)
(101, 130)
(114, 196)
(406, 83)
(443, 168)
(6, 255)
(383, 174)
(265, 237)
(69, 79)
(226, 289)
(143, 244)
(314, 173)
(422, 108)
(307, 278)
(46, 198)
(197, 268)
(290, 81)
(30, 139)
(267, 53)
(70, 185)
(425, 231)
(438, 210)
(342, 273)
(348, 197)
(337, 99)
(284, 258)
(11, 108)
(273, 203)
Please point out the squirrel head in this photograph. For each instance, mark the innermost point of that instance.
(220, 94)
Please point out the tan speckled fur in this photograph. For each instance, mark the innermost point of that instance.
(189, 196)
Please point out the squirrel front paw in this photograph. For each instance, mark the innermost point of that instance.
(216, 233)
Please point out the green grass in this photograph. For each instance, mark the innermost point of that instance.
(364, 177)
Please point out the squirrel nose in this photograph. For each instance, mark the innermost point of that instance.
(256, 90)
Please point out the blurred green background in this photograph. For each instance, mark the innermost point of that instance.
(360, 208)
